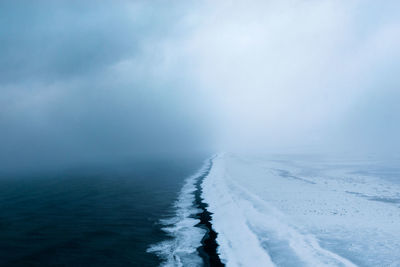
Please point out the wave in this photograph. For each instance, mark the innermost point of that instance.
(186, 237)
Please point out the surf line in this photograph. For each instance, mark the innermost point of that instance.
(208, 250)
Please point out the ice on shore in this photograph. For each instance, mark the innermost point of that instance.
(270, 212)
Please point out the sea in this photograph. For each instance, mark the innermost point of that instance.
(94, 215)
(151, 212)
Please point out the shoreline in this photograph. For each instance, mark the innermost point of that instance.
(192, 240)
(208, 250)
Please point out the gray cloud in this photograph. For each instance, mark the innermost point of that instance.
(90, 80)
(104, 80)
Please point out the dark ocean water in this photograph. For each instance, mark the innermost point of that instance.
(89, 216)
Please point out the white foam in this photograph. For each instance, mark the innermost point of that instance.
(264, 218)
(181, 249)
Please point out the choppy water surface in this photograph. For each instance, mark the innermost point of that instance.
(92, 216)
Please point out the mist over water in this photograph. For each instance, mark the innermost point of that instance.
(82, 81)
(87, 81)
(93, 86)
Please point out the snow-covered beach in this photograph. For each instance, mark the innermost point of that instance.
(310, 212)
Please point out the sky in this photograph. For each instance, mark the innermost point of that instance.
(85, 81)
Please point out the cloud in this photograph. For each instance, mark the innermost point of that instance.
(89, 80)
(86, 81)
(290, 73)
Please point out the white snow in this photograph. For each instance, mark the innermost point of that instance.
(302, 213)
